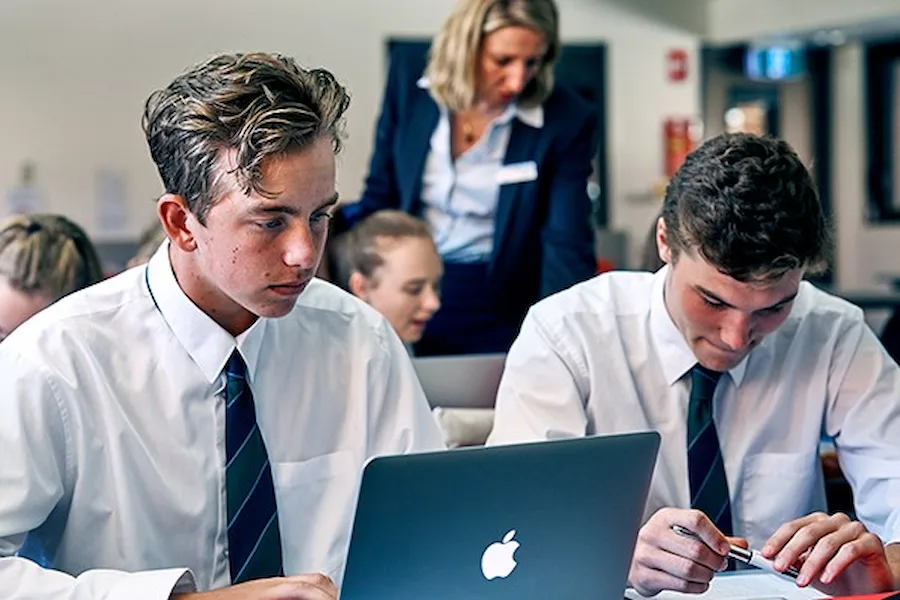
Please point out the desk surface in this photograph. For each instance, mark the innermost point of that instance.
(743, 585)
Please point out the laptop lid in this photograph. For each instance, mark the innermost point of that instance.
(463, 381)
(555, 519)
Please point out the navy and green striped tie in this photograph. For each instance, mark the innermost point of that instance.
(254, 542)
(706, 471)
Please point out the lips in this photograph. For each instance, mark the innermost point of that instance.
(289, 289)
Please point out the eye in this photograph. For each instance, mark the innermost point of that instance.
(712, 303)
(415, 290)
(773, 310)
(272, 224)
(320, 218)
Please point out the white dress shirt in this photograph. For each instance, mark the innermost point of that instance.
(605, 357)
(112, 433)
(459, 197)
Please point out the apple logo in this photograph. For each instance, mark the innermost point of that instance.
(497, 560)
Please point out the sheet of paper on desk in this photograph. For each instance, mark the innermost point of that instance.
(754, 585)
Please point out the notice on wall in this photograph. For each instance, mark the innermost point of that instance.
(23, 200)
(111, 201)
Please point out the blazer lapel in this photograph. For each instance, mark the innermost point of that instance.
(414, 150)
(523, 140)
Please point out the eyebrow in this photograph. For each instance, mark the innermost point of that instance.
(705, 292)
(291, 210)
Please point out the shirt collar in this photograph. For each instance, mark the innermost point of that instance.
(676, 356)
(207, 343)
(533, 116)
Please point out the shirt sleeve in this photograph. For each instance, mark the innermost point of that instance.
(35, 472)
(864, 419)
(539, 396)
(401, 420)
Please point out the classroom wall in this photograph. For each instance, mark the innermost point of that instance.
(736, 20)
(867, 251)
(76, 74)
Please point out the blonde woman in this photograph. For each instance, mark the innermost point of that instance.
(495, 158)
(42, 259)
(392, 264)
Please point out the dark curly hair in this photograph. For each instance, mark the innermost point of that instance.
(748, 205)
(256, 105)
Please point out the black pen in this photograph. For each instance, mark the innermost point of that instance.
(747, 557)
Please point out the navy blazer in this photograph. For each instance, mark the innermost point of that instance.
(543, 237)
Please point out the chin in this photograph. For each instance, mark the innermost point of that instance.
(721, 363)
(274, 311)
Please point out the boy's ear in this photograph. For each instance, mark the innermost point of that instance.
(178, 221)
(359, 285)
(662, 241)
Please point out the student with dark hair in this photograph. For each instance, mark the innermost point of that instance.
(199, 423)
(742, 367)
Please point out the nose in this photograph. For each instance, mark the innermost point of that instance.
(431, 300)
(302, 247)
(736, 331)
(516, 78)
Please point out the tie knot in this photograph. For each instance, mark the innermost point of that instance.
(236, 367)
(703, 382)
(701, 371)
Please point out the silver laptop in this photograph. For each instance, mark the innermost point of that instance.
(464, 381)
(549, 520)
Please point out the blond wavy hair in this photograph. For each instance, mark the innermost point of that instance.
(256, 105)
(453, 59)
(48, 255)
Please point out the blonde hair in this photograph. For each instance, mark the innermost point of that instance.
(453, 58)
(257, 105)
(360, 249)
(47, 254)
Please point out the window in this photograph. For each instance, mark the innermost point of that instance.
(883, 125)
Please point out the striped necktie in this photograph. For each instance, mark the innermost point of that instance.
(706, 471)
(254, 542)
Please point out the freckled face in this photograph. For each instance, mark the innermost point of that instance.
(255, 255)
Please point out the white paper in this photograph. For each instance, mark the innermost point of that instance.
(743, 585)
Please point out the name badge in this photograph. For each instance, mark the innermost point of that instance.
(517, 172)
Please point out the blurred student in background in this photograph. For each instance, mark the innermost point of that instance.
(149, 242)
(390, 261)
(42, 259)
(495, 159)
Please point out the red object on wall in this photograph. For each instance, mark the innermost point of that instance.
(678, 134)
(677, 64)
